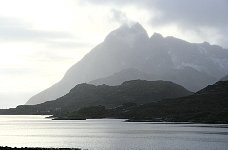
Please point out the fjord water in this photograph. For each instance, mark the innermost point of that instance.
(110, 134)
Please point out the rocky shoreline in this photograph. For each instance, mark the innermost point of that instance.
(35, 148)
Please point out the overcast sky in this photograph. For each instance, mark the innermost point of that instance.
(41, 39)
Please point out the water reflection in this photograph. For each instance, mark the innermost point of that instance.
(110, 134)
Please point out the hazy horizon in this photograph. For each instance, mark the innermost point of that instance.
(41, 40)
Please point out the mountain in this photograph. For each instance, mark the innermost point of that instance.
(224, 78)
(191, 65)
(82, 95)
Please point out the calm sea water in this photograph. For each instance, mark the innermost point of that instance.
(110, 134)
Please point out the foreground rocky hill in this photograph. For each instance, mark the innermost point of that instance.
(209, 105)
(83, 95)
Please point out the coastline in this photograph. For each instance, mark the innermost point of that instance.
(35, 148)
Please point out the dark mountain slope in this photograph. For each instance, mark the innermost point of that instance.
(208, 105)
(136, 91)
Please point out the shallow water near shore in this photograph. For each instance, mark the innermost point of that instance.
(110, 134)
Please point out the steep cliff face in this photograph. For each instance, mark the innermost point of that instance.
(191, 65)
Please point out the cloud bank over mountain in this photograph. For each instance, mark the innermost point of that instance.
(202, 17)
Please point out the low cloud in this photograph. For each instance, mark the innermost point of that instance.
(119, 16)
(68, 44)
(198, 12)
(12, 30)
(11, 71)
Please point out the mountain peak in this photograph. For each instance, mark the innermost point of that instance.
(157, 35)
(128, 33)
(138, 27)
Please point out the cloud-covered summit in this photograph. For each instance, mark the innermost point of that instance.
(203, 17)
